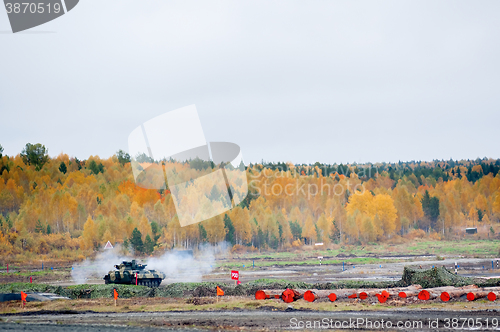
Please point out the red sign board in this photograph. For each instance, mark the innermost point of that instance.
(235, 275)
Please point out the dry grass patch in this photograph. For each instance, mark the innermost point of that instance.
(232, 303)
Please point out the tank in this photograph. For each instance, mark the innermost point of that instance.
(129, 271)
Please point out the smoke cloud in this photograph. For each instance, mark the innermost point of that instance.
(93, 270)
(178, 265)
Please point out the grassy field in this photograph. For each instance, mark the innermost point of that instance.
(382, 253)
(418, 247)
(353, 256)
(34, 273)
(373, 253)
(468, 248)
(307, 261)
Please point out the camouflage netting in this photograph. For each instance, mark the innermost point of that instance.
(100, 291)
(435, 277)
(185, 289)
(488, 282)
(79, 291)
(204, 289)
(16, 287)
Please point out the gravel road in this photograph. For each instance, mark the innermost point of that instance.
(388, 320)
(87, 328)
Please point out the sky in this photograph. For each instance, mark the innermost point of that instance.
(300, 81)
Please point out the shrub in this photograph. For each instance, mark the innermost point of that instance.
(435, 236)
(415, 234)
(239, 249)
(253, 249)
(396, 240)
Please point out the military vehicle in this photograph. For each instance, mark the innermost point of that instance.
(130, 272)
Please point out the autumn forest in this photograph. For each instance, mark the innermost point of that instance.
(65, 208)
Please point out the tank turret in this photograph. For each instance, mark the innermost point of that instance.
(132, 272)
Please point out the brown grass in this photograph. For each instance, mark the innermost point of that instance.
(230, 303)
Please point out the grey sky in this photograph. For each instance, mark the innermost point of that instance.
(300, 81)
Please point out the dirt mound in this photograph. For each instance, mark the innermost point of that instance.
(204, 291)
(237, 291)
(435, 277)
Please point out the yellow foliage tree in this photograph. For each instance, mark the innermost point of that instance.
(309, 232)
(144, 227)
(473, 215)
(325, 226)
(385, 210)
(215, 229)
(241, 222)
(89, 236)
(496, 203)
(379, 208)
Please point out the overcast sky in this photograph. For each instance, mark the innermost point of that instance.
(300, 81)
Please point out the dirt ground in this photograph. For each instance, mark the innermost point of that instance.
(261, 320)
(57, 276)
(245, 313)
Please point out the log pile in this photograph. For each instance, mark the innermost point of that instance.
(414, 292)
(291, 295)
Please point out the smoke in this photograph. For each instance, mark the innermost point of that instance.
(95, 269)
(181, 266)
(178, 265)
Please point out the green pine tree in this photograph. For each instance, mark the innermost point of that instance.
(123, 157)
(149, 245)
(228, 225)
(295, 229)
(62, 168)
(155, 230)
(480, 215)
(35, 154)
(9, 222)
(93, 167)
(203, 233)
(39, 227)
(136, 241)
(125, 244)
